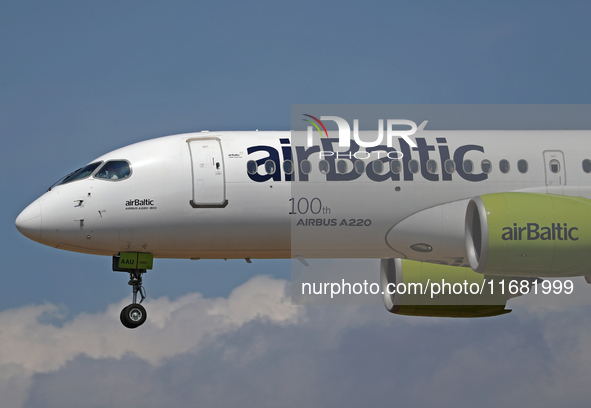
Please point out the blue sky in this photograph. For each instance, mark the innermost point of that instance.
(80, 79)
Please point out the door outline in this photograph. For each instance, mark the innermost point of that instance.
(554, 179)
(224, 201)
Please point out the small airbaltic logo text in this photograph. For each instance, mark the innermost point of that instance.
(140, 204)
(392, 131)
(137, 202)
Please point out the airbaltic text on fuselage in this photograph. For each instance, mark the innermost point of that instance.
(425, 151)
(145, 201)
(533, 232)
(140, 204)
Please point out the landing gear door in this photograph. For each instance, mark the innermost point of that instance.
(554, 168)
(209, 179)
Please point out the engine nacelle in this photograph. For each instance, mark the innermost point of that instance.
(434, 235)
(526, 234)
(409, 276)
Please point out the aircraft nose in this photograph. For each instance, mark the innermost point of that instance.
(29, 221)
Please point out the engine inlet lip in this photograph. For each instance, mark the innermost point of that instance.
(477, 257)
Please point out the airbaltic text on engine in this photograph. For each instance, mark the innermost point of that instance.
(534, 232)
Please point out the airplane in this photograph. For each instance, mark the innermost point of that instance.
(474, 206)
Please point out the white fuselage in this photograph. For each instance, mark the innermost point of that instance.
(183, 201)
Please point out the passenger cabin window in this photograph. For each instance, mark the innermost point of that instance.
(341, 167)
(486, 166)
(306, 166)
(522, 166)
(114, 170)
(359, 167)
(251, 167)
(288, 167)
(468, 166)
(80, 173)
(504, 166)
(587, 166)
(449, 166)
(378, 166)
(396, 166)
(413, 166)
(554, 166)
(323, 166)
(432, 166)
(270, 167)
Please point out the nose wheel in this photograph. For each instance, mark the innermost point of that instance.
(133, 315)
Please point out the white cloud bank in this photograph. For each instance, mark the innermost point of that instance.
(255, 349)
(28, 347)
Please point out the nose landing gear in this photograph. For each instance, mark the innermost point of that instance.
(133, 315)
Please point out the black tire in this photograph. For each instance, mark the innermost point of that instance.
(133, 315)
(123, 319)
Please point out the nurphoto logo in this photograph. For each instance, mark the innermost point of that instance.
(392, 131)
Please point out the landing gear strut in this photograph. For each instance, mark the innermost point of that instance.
(133, 315)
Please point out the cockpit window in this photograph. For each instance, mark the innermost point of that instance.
(79, 174)
(114, 170)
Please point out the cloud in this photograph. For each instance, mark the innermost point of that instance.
(30, 346)
(255, 348)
